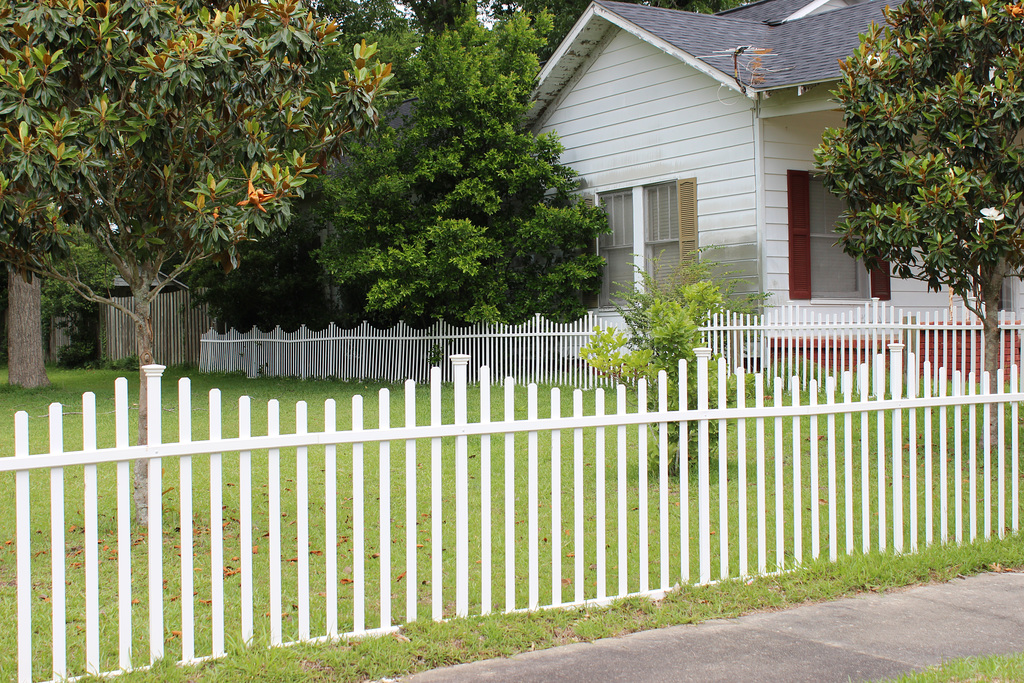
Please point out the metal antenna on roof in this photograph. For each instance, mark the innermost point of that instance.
(753, 65)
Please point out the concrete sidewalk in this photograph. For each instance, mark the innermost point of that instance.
(867, 637)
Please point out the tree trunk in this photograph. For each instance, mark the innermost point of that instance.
(144, 347)
(991, 293)
(25, 332)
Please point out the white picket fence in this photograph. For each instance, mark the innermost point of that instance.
(782, 341)
(794, 340)
(537, 350)
(526, 505)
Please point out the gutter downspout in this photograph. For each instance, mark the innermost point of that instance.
(759, 193)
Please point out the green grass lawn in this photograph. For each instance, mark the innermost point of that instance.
(994, 669)
(553, 522)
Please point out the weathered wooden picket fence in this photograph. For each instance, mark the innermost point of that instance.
(492, 502)
(177, 326)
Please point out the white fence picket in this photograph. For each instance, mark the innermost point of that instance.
(331, 521)
(90, 483)
(486, 568)
(600, 483)
(556, 501)
(245, 518)
(24, 549)
(274, 514)
(185, 524)
(216, 529)
(302, 519)
(410, 507)
(58, 593)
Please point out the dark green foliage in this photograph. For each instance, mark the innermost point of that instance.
(277, 282)
(65, 308)
(359, 18)
(456, 211)
(934, 110)
(438, 16)
(377, 22)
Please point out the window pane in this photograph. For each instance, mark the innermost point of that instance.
(619, 207)
(661, 231)
(617, 246)
(661, 212)
(834, 274)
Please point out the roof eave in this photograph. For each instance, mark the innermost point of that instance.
(786, 86)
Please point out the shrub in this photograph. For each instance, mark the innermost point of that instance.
(663, 326)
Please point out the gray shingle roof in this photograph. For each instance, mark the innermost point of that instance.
(801, 51)
(765, 11)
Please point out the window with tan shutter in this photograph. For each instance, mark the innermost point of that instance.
(670, 227)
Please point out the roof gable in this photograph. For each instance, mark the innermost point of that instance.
(749, 49)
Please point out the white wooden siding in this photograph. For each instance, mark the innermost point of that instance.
(789, 143)
(638, 116)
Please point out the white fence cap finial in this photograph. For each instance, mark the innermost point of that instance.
(897, 346)
(154, 370)
(459, 359)
(702, 352)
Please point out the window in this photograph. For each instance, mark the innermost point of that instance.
(818, 267)
(670, 227)
(670, 234)
(617, 246)
(661, 231)
(834, 274)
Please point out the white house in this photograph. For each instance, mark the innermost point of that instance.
(695, 129)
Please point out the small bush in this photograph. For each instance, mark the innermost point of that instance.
(663, 324)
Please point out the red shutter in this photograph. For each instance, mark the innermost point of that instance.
(798, 185)
(880, 282)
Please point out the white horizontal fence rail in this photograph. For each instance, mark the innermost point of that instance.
(799, 341)
(282, 524)
(537, 350)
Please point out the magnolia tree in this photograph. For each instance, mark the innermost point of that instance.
(930, 160)
(163, 133)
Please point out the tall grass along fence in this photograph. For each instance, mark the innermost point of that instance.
(455, 500)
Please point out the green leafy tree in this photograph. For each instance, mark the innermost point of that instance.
(360, 18)
(929, 160)
(438, 16)
(378, 22)
(165, 133)
(456, 211)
